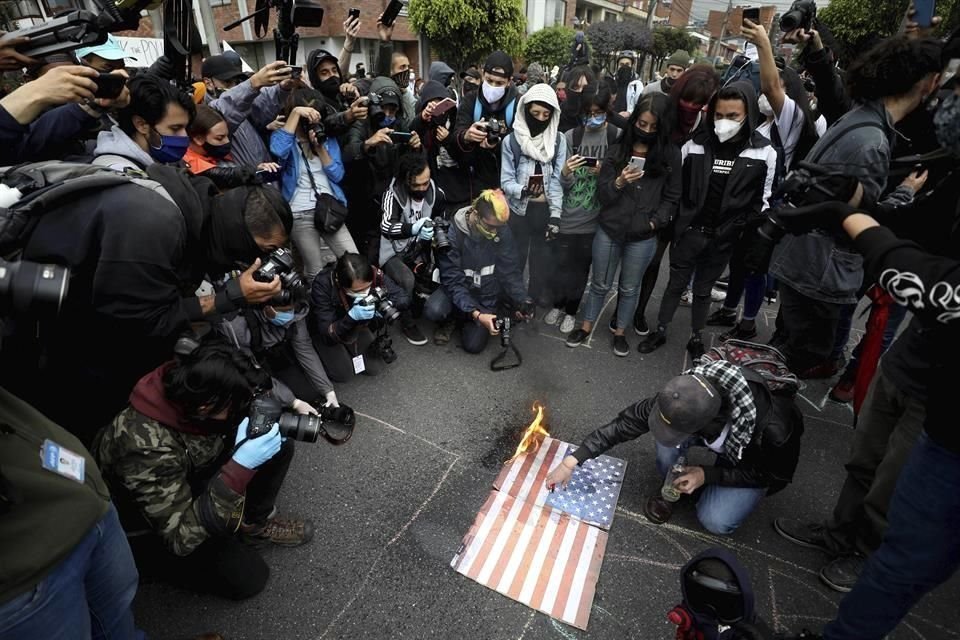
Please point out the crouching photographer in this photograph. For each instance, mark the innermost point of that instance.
(352, 304)
(480, 274)
(196, 481)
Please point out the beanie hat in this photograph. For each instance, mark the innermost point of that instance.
(679, 58)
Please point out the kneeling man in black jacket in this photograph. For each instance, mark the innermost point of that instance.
(729, 410)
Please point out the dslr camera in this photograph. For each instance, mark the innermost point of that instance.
(280, 264)
(441, 241)
(801, 15)
(318, 129)
(495, 132)
(265, 411)
(32, 287)
(378, 299)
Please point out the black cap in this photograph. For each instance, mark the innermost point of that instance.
(686, 405)
(470, 73)
(222, 67)
(389, 96)
(499, 60)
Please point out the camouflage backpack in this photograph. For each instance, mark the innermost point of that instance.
(763, 359)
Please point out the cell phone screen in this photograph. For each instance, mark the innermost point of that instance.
(924, 12)
(589, 162)
(442, 107)
(535, 179)
(353, 13)
(400, 136)
(753, 15)
(391, 12)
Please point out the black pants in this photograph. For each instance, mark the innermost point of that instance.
(649, 282)
(703, 256)
(282, 364)
(572, 256)
(363, 222)
(529, 231)
(337, 359)
(806, 328)
(222, 566)
(473, 336)
(888, 427)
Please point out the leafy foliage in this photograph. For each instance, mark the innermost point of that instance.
(550, 47)
(464, 31)
(609, 37)
(666, 40)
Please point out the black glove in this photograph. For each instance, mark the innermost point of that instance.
(163, 68)
(828, 216)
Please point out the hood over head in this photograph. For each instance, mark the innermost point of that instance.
(430, 91)
(441, 72)
(316, 57)
(716, 563)
(747, 135)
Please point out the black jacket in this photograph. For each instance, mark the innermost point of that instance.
(750, 183)
(627, 213)
(329, 305)
(768, 461)
(484, 164)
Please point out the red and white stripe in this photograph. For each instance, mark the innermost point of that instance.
(524, 476)
(535, 555)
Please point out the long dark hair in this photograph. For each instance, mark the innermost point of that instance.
(353, 267)
(214, 377)
(660, 106)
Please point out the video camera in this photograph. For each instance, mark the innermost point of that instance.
(31, 287)
(265, 411)
(378, 299)
(801, 15)
(72, 30)
(290, 15)
(280, 264)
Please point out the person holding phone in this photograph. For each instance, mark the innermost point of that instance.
(312, 166)
(436, 114)
(533, 156)
(573, 248)
(209, 153)
(635, 203)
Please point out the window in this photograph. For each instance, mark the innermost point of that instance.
(560, 12)
(219, 3)
(609, 16)
(56, 7)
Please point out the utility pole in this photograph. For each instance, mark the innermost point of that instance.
(209, 26)
(723, 29)
(650, 9)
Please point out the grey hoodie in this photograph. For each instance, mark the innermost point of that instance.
(117, 143)
(441, 72)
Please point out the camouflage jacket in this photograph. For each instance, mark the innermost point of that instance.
(171, 477)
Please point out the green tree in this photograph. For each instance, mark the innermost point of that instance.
(666, 40)
(550, 47)
(462, 31)
(609, 37)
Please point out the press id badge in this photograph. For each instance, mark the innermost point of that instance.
(62, 461)
(358, 365)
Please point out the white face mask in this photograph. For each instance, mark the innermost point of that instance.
(356, 295)
(764, 106)
(492, 93)
(726, 129)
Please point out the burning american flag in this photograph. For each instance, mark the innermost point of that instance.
(538, 547)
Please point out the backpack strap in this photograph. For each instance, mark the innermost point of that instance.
(578, 139)
(845, 131)
(515, 148)
(508, 116)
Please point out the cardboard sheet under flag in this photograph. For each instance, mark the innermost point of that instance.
(541, 548)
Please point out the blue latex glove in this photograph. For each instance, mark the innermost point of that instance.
(362, 313)
(255, 452)
(426, 233)
(417, 226)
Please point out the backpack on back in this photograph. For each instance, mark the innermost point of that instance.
(763, 359)
(28, 191)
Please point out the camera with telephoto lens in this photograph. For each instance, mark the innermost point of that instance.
(265, 411)
(801, 15)
(378, 299)
(494, 132)
(280, 264)
(441, 241)
(31, 287)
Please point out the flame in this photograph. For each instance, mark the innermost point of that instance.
(533, 436)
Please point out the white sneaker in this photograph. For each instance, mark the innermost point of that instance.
(717, 295)
(686, 298)
(569, 322)
(552, 317)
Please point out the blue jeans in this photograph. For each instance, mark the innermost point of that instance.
(719, 509)
(920, 548)
(632, 258)
(88, 595)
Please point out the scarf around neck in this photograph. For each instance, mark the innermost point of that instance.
(542, 147)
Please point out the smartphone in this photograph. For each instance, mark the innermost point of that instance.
(923, 13)
(399, 137)
(753, 15)
(391, 12)
(295, 72)
(440, 108)
(268, 176)
(535, 180)
(353, 13)
(109, 85)
(590, 162)
(637, 163)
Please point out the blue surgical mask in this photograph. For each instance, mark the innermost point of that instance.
(282, 318)
(595, 122)
(389, 120)
(171, 148)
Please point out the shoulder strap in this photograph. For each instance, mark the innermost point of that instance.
(306, 167)
(476, 109)
(846, 130)
(613, 135)
(256, 338)
(515, 148)
(510, 109)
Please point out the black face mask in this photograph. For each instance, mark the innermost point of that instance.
(624, 75)
(417, 195)
(646, 137)
(218, 151)
(330, 88)
(402, 78)
(469, 88)
(537, 126)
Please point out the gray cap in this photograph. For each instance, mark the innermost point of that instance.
(686, 405)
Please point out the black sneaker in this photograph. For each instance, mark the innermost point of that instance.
(620, 346)
(652, 342)
(739, 332)
(576, 337)
(640, 325)
(811, 535)
(613, 321)
(383, 347)
(722, 317)
(695, 347)
(840, 574)
(413, 334)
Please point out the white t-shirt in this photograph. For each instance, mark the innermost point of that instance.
(717, 445)
(304, 198)
(790, 125)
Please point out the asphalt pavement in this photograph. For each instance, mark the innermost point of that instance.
(392, 505)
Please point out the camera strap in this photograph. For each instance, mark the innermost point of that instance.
(501, 362)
